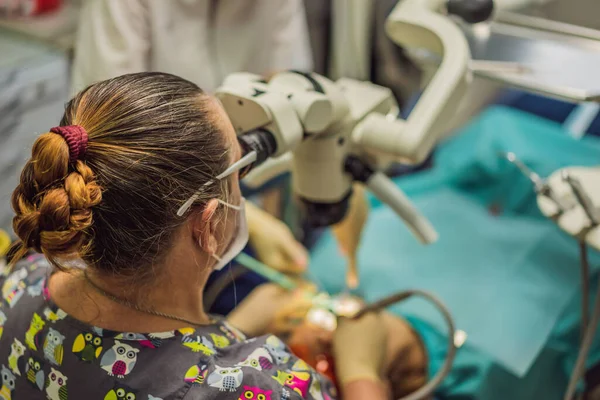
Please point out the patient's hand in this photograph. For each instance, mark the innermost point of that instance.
(271, 309)
(348, 232)
(274, 243)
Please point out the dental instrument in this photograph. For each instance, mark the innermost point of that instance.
(586, 216)
(540, 186)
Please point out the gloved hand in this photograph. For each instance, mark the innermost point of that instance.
(359, 349)
(274, 243)
(348, 232)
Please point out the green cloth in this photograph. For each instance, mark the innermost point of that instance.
(510, 280)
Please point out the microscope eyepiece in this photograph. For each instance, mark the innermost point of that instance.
(262, 142)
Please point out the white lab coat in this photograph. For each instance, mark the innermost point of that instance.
(200, 40)
(351, 39)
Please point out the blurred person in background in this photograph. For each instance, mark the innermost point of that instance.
(200, 40)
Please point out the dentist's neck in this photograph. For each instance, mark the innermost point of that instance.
(174, 288)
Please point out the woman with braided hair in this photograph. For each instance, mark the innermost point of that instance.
(103, 298)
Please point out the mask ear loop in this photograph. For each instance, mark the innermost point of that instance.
(236, 166)
(232, 206)
(238, 208)
(239, 164)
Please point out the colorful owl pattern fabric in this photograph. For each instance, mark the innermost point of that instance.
(46, 354)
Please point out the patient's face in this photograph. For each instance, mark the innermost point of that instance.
(313, 345)
(315, 338)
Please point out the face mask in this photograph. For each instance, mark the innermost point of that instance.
(240, 236)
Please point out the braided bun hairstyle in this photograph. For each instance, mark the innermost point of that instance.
(152, 141)
(53, 202)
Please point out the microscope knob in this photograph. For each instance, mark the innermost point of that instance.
(472, 11)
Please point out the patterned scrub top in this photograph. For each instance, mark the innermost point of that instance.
(46, 354)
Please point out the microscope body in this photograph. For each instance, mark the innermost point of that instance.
(310, 121)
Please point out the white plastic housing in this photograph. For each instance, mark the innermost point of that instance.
(318, 169)
(273, 113)
(415, 24)
(574, 220)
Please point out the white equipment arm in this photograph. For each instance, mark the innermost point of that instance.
(418, 24)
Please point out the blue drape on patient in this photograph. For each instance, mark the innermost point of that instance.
(510, 279)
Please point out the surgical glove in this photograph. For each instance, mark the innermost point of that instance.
(348, 232)
(274, 243)
(359, 349)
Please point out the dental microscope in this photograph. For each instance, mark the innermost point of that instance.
(329, 134)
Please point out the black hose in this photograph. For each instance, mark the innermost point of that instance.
(215, 289)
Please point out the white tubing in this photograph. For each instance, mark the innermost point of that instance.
(580, 119)
(387, 191)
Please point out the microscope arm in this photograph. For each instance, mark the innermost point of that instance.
(268, 170)
(416, 24)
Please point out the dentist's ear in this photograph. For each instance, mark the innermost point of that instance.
(204, 228)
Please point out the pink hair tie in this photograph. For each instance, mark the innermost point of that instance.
(77, 139)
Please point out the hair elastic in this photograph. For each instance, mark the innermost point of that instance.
(77, 139)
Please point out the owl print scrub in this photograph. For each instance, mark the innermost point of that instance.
(44, 348)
